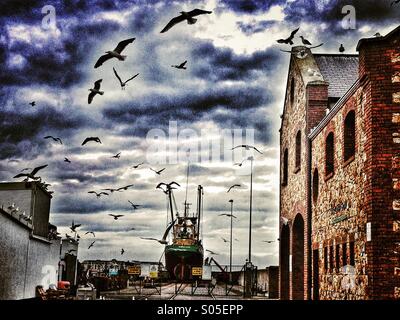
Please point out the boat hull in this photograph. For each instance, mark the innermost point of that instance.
(180, 259)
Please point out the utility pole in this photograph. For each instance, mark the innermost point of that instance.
(230, 250)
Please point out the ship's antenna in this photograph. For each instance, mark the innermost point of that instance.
(187, 181)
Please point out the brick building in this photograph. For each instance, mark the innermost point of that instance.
(340, 174)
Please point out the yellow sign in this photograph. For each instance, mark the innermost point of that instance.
(134, 270)
(197, 271)
(154, 271)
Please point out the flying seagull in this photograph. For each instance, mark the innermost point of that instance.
(394, 2)
(137, 165)
(134, 206)
(247, 147)
(212, 252)
(98, 195)
(54, 139)
(33, 103)
(125, 187)
(289, 40)
(233, 186)
(117, 156)
(224, 240)
(168, 186)
(90, 232)
(341, 48)
(122, 251)
(67, 160)
(116, 216)
(123, 83)
(88, 139)
(239, 163)
(158, 172)
(164, 238)
(110, 189)
(180, 66)
(228, 215)
(74, 226)
(71, 250)
(91, 245)
(185, 16)
(32, 173)
(269, 241)
(305, 41)
(116, 53)
(95, 90)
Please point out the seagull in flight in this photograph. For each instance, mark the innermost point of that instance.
(125, 188)
(117, 156)
(137, 165)
(32, 173)
(224, 240)
(116, 53)
(74, 226)
(88, 139)
(233, 186)
(269, 241)
(164, 238)
(168, 186)
(247, 147)
(91, 245)
(67, 160)
(305, 41)
(289, 40)
(95, 90)
(90, 232)
(71, 250)
(123, 83)
(228, 215)
(185, 16)
(212, 252)
(109, 189)
(116, 216)
(158, 172)
(98, 195)
(122, 251)
(54, 139)
(134, 206)
(33, 103)
(180, 66)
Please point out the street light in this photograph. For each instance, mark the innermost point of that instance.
(230, 250)
(251, 203)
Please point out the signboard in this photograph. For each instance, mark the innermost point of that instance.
(197, 271)
(134, 270)
(113, 272)
(206, 273)
(154, 271)
(145, 270)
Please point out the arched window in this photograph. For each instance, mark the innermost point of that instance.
(349, 136)
(292, 92)
(315, 185)
(329, 155)
(285, 167)
(298, 149)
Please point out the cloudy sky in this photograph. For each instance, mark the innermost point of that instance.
(234, 85)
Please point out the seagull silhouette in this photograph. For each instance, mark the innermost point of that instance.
(134, 206)
(67, 160)
(110, 189)
(212, 252)
(33, 103)
(71, 250)
(228, 215)
(341, 48)
(137, 165)
(74, 226)
(91, 245)
(123, 83)
(122, 251)
(116, 216)
(289, 40)
(88, 139)
(125, 187)
(247, 147)
(98, 195)
(224, 240)
(116, 53)
(117, 156)
(305, 41)
(180, 66)
(95, 90)
(233, 186)
(90, 232)
(158, 172)
(185, 16)
(32, 173)
(269, 241)
(54, 139)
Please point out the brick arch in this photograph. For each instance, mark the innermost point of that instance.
(298, 257)
(284, 274)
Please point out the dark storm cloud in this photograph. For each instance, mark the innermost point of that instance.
(255, 27)
(250, 6)
(219, 64)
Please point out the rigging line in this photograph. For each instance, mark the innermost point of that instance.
(187, 181)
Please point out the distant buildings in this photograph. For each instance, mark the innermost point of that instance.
(29, 246)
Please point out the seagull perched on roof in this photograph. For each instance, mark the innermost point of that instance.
(185, 16)
(54, 139)
(88, 139)
(341, 48)
(95, 90)
(116, 53)
(123, 83)
(247, 147)
(289, 40)
(32, 173)
(180, 66)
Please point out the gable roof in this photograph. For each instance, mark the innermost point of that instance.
(339, 70)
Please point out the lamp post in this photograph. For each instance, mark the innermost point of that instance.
(230, 250)
(251, 204)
